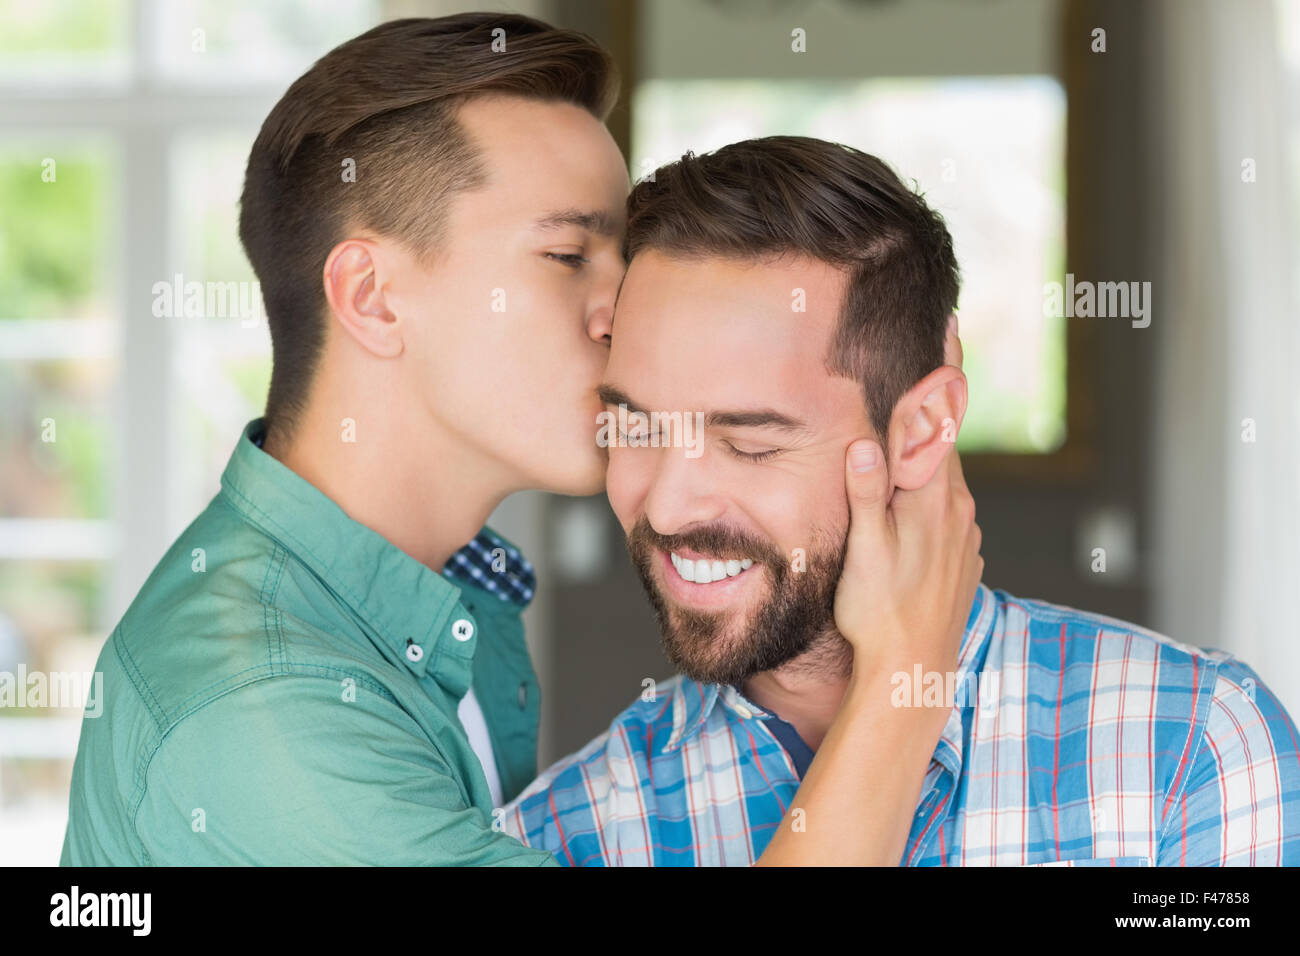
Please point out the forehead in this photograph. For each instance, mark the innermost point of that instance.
(705, 333)
(542, 154)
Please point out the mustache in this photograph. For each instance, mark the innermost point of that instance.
(717, 540)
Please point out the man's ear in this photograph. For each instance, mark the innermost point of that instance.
(355, 290)
(924, 426)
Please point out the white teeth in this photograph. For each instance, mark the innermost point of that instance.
(707, 571)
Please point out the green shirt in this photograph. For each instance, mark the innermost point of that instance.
(283, 690)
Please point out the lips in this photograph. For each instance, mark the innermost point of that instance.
(727, 593)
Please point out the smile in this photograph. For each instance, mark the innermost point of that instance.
(705, 570)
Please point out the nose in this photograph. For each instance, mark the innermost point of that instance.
(600, 315)
(600, 324)
(683, 493)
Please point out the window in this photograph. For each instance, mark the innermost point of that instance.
(989, 155)
(124, 128)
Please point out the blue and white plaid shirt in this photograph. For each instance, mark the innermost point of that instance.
(1090, 742)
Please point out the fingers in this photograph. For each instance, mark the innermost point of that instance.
(948, 480)
(952, 352)
(973, 565)
(867, 482)
(944, 484)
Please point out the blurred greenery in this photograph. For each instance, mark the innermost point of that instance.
(252, 377)
(53, 244)
(62, 26)
(47, 600)
(68, 477)
(81, 454)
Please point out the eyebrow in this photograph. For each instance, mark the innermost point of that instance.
(747, 418)
(596, 221)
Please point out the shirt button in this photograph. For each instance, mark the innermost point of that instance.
(462, 630)
(744, 711)
(414, 652)
(523, 696)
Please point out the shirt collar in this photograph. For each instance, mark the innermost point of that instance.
(693, 701)
(491, 563)
(412, 609)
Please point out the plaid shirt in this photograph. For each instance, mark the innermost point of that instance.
(493, 564)
(1080, 740)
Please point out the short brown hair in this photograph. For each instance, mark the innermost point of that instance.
(386, 100)
(792, 194)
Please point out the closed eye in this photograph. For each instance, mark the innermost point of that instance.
(755, 456)
(571, 259)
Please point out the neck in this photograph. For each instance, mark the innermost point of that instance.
(806, 692)
(426, 496)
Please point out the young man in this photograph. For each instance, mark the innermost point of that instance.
(1069, 737)
(436, 222)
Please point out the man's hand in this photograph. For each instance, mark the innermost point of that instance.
(912, 564)
(909, 579)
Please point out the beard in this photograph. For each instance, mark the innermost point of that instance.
(796, 619)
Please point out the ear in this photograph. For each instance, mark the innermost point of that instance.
(355, 290)
(925, 425)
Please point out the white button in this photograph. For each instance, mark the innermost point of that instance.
(414, 652)
(744, 711)
(462, 630)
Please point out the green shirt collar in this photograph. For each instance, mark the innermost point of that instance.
(405, 603)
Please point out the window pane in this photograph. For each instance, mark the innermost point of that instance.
(988, 153)
(57, 41)
(51, 613)
(234, 42)
(1288, 38)
(208, 175)
(57, 197)
(58, 375)
(50, 625)
(55, 438)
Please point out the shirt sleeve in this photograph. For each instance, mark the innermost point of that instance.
(1240, 805)
(286, 772)
(576, 811)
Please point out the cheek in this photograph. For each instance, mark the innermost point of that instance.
(542, 324)
(802, 510)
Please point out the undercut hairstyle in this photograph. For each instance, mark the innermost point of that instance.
(385, 104)
(782, 195)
